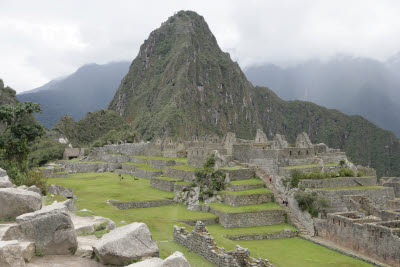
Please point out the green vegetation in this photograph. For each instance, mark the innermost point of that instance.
(45, 149)
(350, 188)
(185, 168)
(183, 160)
(310, 202)
(259, 230)
(346, 172)
(302, 166)
(95, 128)
(184, 183)
(229, 209)
(48, 200)
(248, 192)
(210, 178)
(252, 181)
(143, 166)
(20, 128)
(331, 164)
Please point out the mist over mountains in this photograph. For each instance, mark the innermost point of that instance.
(90, 88)
(352, 85)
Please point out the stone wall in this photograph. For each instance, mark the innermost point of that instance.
(147, 174)
(393, 204)
(335, 157)
(162, 164)
(131, 149)
(84, 167)
(238, 174)
(141, 204)
(339, 182)
(390, 215)
(392, 182)
(70, 153)
(278, 235)
(242, 187)
(376, 239)
(129, 167)
(245, 200)
(166, 185)
(179, 187)
(187, 176)
(113, 158)
(378, 196)
(203, 244)
(249, 219)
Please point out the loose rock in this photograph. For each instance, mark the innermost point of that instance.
(14, 202)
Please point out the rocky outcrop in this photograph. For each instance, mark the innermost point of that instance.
(11, 254)
(59, 190)
(51, 229)
(177, 259)
(35, 189)
(5, 180)
(126, 244)
(15, 201)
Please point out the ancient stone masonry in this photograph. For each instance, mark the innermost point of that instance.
(250, 219)
(367, 235)
(141, 204)
(339, 182)
(71, 153)
(392, 182)
(202, 243)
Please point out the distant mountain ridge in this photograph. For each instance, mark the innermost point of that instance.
(353, 85)
(182, 84)
(88, 89)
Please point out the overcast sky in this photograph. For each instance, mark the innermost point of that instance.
(43, 39)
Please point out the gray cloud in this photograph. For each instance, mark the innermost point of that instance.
(44, 39)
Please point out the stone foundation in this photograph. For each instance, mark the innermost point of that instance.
(238, 174)
(242, 187)
(278, 235)
(84, 167)
(203, 244)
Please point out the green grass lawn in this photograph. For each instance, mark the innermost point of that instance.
(261, 190)
(93, 189)
(302, 166)
(349, 188)
(166, 178)
(183, 160)
(143, 166)
(218, 229)
(331, 164)
(248, 181)
(185, 168)
(229, 209)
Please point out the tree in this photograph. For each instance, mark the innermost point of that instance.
(20, 128)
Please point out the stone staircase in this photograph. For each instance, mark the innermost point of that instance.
(264, 176)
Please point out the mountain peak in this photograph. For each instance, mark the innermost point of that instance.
(181, 81)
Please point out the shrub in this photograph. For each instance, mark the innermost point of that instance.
(360, 174)
(210, 178)
(45, 149)
(35, 177)
(346, 172)
(342, 163)
(310, 202)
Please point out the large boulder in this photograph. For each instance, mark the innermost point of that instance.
(5, 181)
(125, 244)
(14, 202)
(11, 254)
(175, 260)
(34, 188)
(51, 229)
(59, 190)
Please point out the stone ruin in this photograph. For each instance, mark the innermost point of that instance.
(201, 242)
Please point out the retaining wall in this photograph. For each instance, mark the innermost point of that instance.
(241, 187)
(84, 167)
(277, 235)
(141, 204)
(162, 184)
(338, 182)
(287, 172)
(187, 176)
(249, 219)
(239, 174)
(245, 200)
